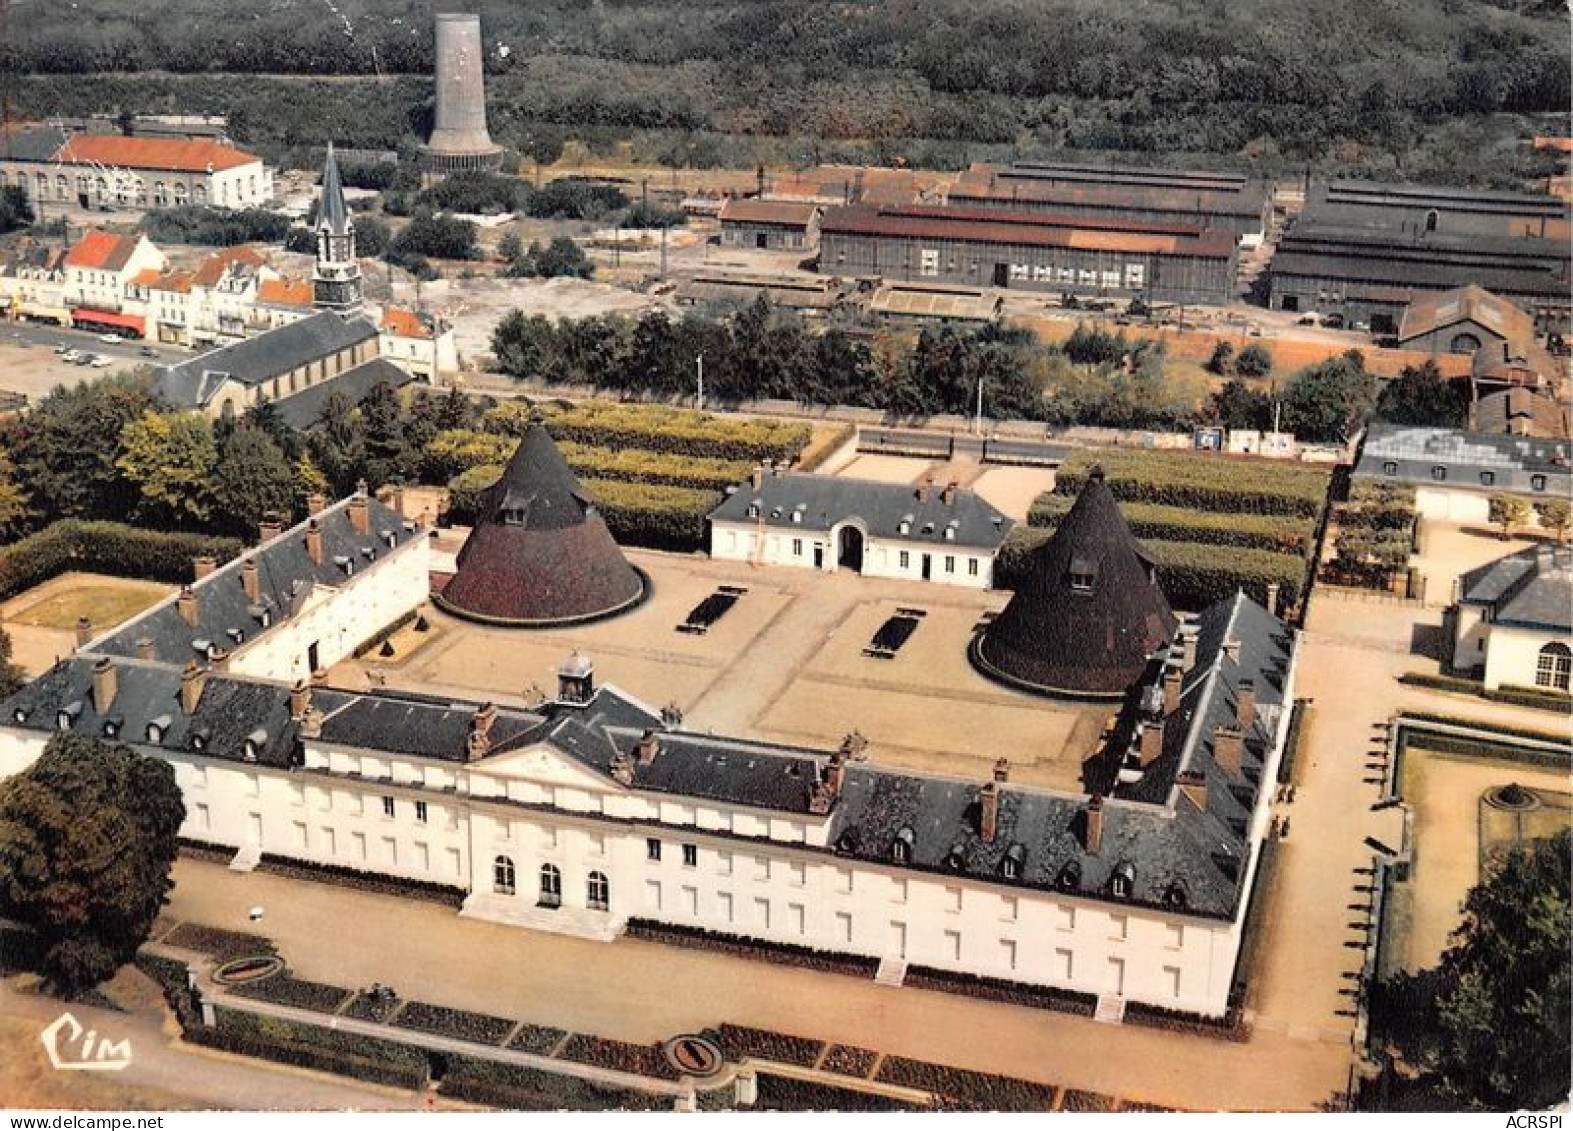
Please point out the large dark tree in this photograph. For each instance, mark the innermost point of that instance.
(15, 211)
(1422, 397)
(1488, 1028)
(1329, 402)
(87, 838)
(252, 480)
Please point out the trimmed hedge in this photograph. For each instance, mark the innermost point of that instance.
(284, 989)
(740, 1041)
(958, 1089)
(620, 1056)
(678, 432)
(316, 1047)
(1192, 575)
(1282, 534)
(784, 1093)
(849, 1060)
(219, 943)
(459, 1024)
(106, 547)
(997, 989)
(518, 1088)
(632, 465)
(539, 1039)
(1518, 696)
(760, 950)
(1232, 485)
(448, 895)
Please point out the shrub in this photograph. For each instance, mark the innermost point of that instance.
(1518, 696)
(518, 1088)
(845, 1060)
(660, 518)
(739, 1041)
(105, 547)
(1279, 533)
(1077, 1100)
(637, 466)
(995, 989)
(641, 1060)
(215, 941)
(367, 1008)
(784, 1093)
(446, 894)
(1192, 575)
(282, 989)
(678, 432)
(538, 1039)
(315, 1046)
(1200, 481)
(173, 978)
(786, 954)
(957, 1089)
(459, 1024)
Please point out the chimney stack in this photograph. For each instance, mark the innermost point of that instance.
(649, 746)
(270, 528)
(249, 581)
(314, 542)
(398, 499)
(202, 566)
(105, 684)
(1247, 704)
(948, 495)
(146, 649)
(191, 680)
(623, 768)
(1193, 787)
(1231, 648)
(186, 603)
(311, 723)
(757, 479)
(924, 488)
(1173, 681)
(989, 810)
(479, 744)
(319, 677)
(1092, 827)
(1002, 770)
(1273, 590)
(1151, 741)
(84, 631)
(1229, 750)
(836, 773)
(360, 510)
(299, 700)
(1187, 648)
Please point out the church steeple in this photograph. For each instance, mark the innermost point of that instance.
(335, 280)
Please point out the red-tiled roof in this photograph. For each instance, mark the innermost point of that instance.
(213, 267)
(176, 282)
(99, 250)
(403, 323)
(285, 292)
(173, 154)
(1041, 229)
(785, 213)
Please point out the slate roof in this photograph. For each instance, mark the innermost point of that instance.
(272, 353)
(824, 501)
(1520, 412)
(34, 143)
(285, 575)
(1530, 589)
(333, 214)
(302, 410)
(1514, 463)
(1092, 641)
(1176, 855)
(540, 553)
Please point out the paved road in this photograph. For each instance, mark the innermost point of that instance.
(127, 351)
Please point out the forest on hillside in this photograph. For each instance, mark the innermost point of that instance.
(1423, 87)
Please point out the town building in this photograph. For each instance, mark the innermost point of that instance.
(1442, 209)
(1229, 201)
(1519, 411)
(1455, 473)
(33, 282)
(420, 343)
(947, 535)
(808, 295)
(774, 225)
(1465, 320)
(1512, 620)
(987, 247)
(540, 553)
(113, 172)
(590, 810)
(934, 302)
(1089, 616)
(335, 276)
(213, 304)
(98, 269)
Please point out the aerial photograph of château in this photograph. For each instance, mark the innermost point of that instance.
(812, 557)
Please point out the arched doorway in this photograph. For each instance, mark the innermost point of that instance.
(849, 548)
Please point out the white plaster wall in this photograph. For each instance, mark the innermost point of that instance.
(731, 541)
(1513, 654)
(1452, 506)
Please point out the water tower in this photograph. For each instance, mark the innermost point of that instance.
(459, 139)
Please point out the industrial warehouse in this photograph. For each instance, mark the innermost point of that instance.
(1166, 262)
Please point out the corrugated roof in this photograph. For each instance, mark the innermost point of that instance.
(782, 213)
(173, 154)
(1039, 229)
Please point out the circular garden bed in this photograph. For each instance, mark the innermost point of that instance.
(251, 968)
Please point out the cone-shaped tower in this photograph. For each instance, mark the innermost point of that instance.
(1089, 613)
(540, 554)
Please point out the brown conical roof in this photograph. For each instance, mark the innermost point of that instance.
(539, 553)
(1089, 613)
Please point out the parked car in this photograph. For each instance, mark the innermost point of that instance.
(1307, 319)
(82, 359)
(1333, 322)
(111, 339)
(63, 349)
(70, 354)
(101, 362)
(148, 351)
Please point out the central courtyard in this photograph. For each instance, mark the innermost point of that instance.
(784, 664)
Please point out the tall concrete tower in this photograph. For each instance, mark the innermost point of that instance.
(459, 139)
(335, 278)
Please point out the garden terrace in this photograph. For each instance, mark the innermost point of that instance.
(678, 432)
(1208, 482)
(459, 1024)
(845, 1060)
(538, 1039)
(282, 989)
(221, 944)
(740, 1041)
(957, 1089)
(642, 1060)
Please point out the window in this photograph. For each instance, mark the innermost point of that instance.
(843, 926)
(797, 547)
(1010, 907)
(1135, 275)
(1554, 666)
(387, 806)
(503, 875)
(761, 868)
(1083, 575)
(1067, 919)
(797, 874)
(762, 913)
(420, 811)
(843, 879)
(1438, 472)
(953, 945)
(691, 902)
(901, 849)
(1487, 478)
(724, 906)
(928, 263)
(1171, 980)
(1390, 467)
(652, 894)
(1008, 953)
(906, 560)
(1119, 926)
(972, 567)
(950, 563)
(1174, 936)
(551, 893)
(652, 849)
(1537, 482)
(952, 899)
(690, 856)
(598, 892)
(723, 863)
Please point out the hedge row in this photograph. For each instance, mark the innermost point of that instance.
(105, 547)
(1191, 575)
(1539, 698)
(1283, 534)
(518, 1088)
(678, 432)
(1200, 481)
(634, 465)
(316, 1047)
(960, 1089)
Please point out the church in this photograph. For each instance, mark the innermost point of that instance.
(591, 810)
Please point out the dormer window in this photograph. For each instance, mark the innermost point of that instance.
(1176, 897)
(345, 563)
(775, 512)
(112, 726)
(20, 714)
(928, 529)
(1123, 881)
(901, 849)
(238, 635)
(67, 716)
(1439, 473)
(753, 510)
(956, 858)
(1069, 878)
(905, 526)
(1014, 863)
(797, 516)
(950, 533)
(156, 729)
(1083, 575)
(255, 742)
(199, 739)
(849, 841)
(1390, 467)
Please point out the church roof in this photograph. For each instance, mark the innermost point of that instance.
(270, 354)
(332, 213)
(1089, 613)
(540, 553)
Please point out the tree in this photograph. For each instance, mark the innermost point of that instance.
(1255, 360)
(251, 481)
(15, 210)
(1422, 397)
(1488, 1027)
(87, 838)
(13, 500)
(169, 457)
(11, 674)
(382, 432)
(1238, 405)
(1222, 360)
(1509, 511)
(1329, 402)
(1556, 515)
(307, 481)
